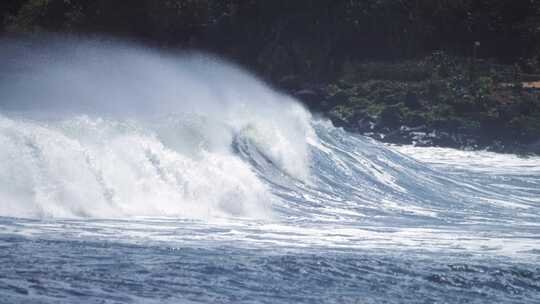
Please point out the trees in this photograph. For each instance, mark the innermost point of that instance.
(307, 37)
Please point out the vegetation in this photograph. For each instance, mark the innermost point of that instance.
(385, 62)
(307, 37)
(442, 94)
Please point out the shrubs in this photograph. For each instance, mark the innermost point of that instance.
(438, 95)
(402, 71)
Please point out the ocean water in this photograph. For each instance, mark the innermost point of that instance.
(129, 175)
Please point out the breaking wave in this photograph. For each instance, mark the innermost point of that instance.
(109, 130)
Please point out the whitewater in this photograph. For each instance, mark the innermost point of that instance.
(136, 175)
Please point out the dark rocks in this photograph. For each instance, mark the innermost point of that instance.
(447, 124)
(391, 117)
(412, 102)
(534, 147)
(415, 120)
(365, 124)
(448, 110)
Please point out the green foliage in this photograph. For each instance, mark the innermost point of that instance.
(375, 109)
(28, 17)
(311, 38)
(483, 87)
(447, 100)
(379, 59)
(402, 71)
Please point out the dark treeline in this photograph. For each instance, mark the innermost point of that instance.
(391, 69)
(301, 37)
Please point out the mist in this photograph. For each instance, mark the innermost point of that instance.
(105, 128)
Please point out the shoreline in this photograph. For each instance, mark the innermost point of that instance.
(434, 101)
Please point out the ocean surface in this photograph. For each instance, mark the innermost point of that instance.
(133, 176)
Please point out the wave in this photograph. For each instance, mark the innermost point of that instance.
(110, 130)
(105, 129)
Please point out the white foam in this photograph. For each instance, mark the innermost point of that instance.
(481, 161)
(101, 129)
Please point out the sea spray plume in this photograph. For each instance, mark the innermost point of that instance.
(109, 129)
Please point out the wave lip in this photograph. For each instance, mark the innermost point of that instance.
(113, 130)
(108, 129)
(55, 171)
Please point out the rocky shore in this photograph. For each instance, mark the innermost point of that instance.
(437, 73)
(437, 101)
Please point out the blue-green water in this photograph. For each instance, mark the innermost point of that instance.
(129, 176)
(417, 233)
